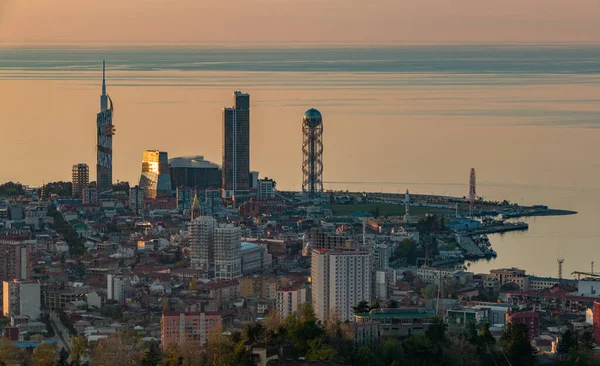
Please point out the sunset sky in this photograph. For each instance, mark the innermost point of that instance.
(323, 21)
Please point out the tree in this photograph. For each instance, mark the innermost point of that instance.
(78, 350)
(586, 341)
(361, 307)
(153, 356)
(392, 351)
(320, 351)
(123, 348)
(568, 341)
(392, 304)
(517, 345)
(63, 359)
(45, 355)
(436, 332)
(364, 356)
(9, 352)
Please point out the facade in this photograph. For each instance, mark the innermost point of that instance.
(136, 200)
(259, 287)
(266, 188)
(201, 232)
(321, 238)
(367, 333)
(155, 179)
(227, 252)
(236, 147)
(511, 275)
(194, 171)
(254, 258)
(116, 287)
(312, 152)
(216, 249)
(105, 132)
(14, 257)
(340, 280)
(289, 300)
(21, 298)
(80, 177)
(398, 322)
(530, 318)
(596, 321)
(192, 327)
(89, 195)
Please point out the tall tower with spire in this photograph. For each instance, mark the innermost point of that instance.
(105, 131)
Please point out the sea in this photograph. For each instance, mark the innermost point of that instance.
(395, 117)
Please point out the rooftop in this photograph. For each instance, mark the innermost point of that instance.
(192, 162)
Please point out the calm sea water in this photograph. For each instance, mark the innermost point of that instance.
(416, 117)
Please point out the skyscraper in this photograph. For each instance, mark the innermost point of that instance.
(236, 146)
(340, 280)
(105, 132)
(216, 248)
(14, 257)
(155, 179)
(80, 178)
(312, 152)
(136, 200)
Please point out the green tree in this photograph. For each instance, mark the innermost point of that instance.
(392, 351)
(568, 341)
(361, 307)
(586, 341)
(320, 351)
(517, 345)
(153, 355)
(419, 350)
(436, 331)
(364, 356)
(301, 327)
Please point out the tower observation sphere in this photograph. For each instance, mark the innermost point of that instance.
(312, 152)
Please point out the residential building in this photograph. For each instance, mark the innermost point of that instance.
(365, 333)
(530, 318)
(201, 232)
(194, 171)
(340, 280)
(322, 238)
(80, 178)
(511, 275)
(227, 251)
(14, 257)
(155, 179)
(259, 287)
(21, 298)
(236, 147)
(136, 200)
(255, 259)
(399, 322)
(192, 327)
(116, 287)
(289, 300)
(89, 195)
(266, 188)
(216, 249)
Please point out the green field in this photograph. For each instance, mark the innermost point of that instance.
(388, 209)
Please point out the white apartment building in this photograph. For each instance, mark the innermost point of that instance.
(116, 287)
(227, 251)
(289, 300)
(22, 298)
(340, 280)
(266, 188)
(201, 231)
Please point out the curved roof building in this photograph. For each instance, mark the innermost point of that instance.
(194, 171)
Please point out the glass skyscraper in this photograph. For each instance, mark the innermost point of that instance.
(105, 131)
(155, 179)
(236, 146)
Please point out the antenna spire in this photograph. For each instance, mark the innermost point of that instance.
(103, 77)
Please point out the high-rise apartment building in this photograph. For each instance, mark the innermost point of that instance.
(105, 131)
(193, 328)
(89, 195)
(155, 179)
(266, 188)
(289, 300)
(201, 232)
(14, 257)
(136, 200)
(236, 146)
(22, 298)
(116, 287)
(340, 280)
(216, 248)
(80, 178)
(323, 238)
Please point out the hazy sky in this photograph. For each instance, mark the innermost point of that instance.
(328, 21)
